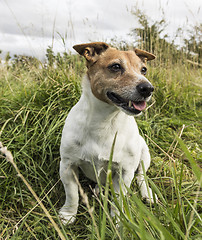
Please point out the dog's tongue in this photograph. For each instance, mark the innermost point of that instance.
(139, 105)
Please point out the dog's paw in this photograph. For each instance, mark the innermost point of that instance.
(67, 218)
(150, 200)
(148, 196)
(96, 190)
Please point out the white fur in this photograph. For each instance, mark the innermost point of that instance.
(87, 138)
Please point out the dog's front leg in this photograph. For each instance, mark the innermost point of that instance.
(122, 182)
(68, 173)
(145, 190)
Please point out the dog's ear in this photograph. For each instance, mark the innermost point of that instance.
(91, 51)
(145, 56)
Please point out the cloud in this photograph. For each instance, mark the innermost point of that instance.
(29, 27)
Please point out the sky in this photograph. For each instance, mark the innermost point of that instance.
(29, 26)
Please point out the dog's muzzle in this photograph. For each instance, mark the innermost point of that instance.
(135, 105)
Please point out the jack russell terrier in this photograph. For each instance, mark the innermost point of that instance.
(115, 90)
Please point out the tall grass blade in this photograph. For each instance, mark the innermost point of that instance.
(193, 163)
(106, 196)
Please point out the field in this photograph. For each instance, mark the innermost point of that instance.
(34, 102)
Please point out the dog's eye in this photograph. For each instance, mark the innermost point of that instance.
(115, 67)
(144, 70)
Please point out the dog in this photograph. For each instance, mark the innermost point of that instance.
(114, 90)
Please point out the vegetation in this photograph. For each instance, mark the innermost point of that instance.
(34, 102)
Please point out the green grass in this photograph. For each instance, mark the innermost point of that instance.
(34, 103)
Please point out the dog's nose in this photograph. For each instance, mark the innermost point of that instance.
(145, 89)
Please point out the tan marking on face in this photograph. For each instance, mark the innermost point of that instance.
(103, 79)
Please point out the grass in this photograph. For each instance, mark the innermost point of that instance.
(34, 103)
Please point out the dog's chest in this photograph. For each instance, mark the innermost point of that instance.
(95, 148)
(96, 141)
(89, 138)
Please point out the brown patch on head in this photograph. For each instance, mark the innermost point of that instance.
(115, 71)
(112, 70)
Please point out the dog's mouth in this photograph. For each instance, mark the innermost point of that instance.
(133, 107)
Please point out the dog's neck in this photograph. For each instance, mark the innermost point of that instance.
(99, 110)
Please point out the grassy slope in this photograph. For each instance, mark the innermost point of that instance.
(33, 106)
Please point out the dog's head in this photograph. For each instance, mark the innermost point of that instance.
(118, 77)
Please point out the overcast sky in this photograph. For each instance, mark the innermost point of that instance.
(30, 26)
